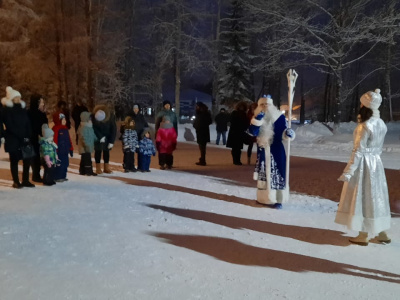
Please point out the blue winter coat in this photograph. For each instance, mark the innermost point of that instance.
(146, 147)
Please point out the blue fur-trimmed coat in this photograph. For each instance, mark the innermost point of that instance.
(146, 147)
(130, 140)
(271, 182)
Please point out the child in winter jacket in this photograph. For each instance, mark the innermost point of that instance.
(166, 143)
(86, 144)
(146, 150)
(64, 146)
(130, 145)
(48, 155)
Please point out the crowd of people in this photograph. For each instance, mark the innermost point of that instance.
(26, 136)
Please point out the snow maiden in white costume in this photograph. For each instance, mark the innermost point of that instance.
(270, 127)
(364, 203)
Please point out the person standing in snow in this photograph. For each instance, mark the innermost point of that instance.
(130, 145)
(146, 150)
(105, 128)
(38, 117)
(48, 154)
(202, 125)
(64, 146)
(364, 202)
(17, 133)
(270, 127)
(86, 144)
(221, 122)
(166, 143)
(236, 135)
(76, 116)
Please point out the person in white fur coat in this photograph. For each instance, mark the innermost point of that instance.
(364, 202)
(270, 127)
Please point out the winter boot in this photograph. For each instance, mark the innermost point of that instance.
(107, 169)
(383, 238)
(98, 168)
(89, 171)
(361, 239)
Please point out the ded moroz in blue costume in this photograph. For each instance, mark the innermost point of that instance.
(270, 127)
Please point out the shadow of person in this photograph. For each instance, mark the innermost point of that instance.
(305, 234)
(234, 252)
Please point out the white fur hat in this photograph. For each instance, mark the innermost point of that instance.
(371, 99)
(100, 115)
(11, 93)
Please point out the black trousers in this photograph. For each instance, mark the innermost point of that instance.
(86, 167)
(15, 157)
(129, 160)
(48, 175)
(202, 148)
(106, 156)
(236, 155)
(36, 163)
(165, 159)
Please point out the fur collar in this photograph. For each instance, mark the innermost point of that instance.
(9, 103)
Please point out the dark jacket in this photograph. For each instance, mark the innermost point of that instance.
(17, 123)
(170, 114)
(239, 124)
(76, 114)
(106, 128)
(61, 136)
(37, 118)
(140, 122)
(221, 121)
(202, 124)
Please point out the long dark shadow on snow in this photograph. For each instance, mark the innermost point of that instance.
(305, 234)
(183, 189)
(234, 252)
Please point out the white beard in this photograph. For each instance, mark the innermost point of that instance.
(266, 134)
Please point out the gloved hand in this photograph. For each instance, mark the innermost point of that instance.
(103, 139)
(48, 161)
(71, 153)
(345, 177)
(110, 146)
(260, 116)
(290, 132)
(26, 140)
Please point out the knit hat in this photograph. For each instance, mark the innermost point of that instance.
(100, 115)
(47, 132)
(136, 106)
(11, 93)
(371, 99)
(85, 116)
(166, 102)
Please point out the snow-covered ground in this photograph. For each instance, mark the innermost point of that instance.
(192, 237)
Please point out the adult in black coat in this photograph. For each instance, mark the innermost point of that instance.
(202, 125)
(239, 124)
(105, 129)
(221, 122)
(17, 133)
(76, 116)
(38, 117)
(140, 121)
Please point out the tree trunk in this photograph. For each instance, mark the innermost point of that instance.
(89, 55)
(303, 102)
(58, 53)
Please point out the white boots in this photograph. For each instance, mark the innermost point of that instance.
(362, 238)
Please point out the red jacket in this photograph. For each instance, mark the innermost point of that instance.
(166, 140)
(56, 129)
